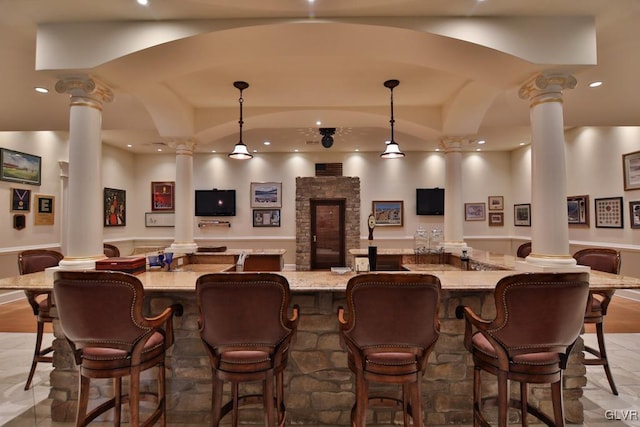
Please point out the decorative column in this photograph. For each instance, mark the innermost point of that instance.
(549, 218)
(185, 199)
(84, 207)
(453, 201)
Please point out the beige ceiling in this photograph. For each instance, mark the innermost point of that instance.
(460, 63)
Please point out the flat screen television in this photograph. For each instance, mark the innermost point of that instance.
(430, 201)
(215, 202)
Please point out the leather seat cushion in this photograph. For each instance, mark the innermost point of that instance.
(111, 358)
(245, 361)
(391, 363)
(520, 363)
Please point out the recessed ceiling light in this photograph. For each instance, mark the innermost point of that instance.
(595, 84)
(213, 151)
(159, 149)
(357, 149)
(143, 2)
(129, 145)
(523, 143)
(477, 149)
(40, 89)
(482, 141)
(266, 143)
(318, 123)
(296, 150)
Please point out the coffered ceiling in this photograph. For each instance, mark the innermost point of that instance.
(171, 66)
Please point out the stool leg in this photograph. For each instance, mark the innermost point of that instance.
(267, 399)
(134, 396)
(234, 397)
(216, 399)
(416, 405)
(83, 401)
(477, 398)
(556, 398)
(36, 353)
(524, 404)
(117, 400)
(362, 397)
(503, 399)
(603, 356)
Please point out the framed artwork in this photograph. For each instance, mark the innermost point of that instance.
(20, 200)
(522, 215)
(266, 194)
(578, 210)
(266, 217)
(496, 203)
(20, 167)
(163, 196)
(608, 212)
(115, 212)
(388, 213)
(159, 219)
(634, 214)
(631, 168)
(496, 219)
(474, 212)
(44, 209)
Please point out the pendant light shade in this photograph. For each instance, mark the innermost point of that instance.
(240, 150)
(393, 149)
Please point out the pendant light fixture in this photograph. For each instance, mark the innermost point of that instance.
(393, 150)
(240, 151)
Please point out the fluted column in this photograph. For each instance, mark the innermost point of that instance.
(185, 198)
(85, 205)
(453, 200)
(549, 218)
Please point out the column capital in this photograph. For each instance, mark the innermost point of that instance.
(452, 144)
(83, 89)
(546, 87)
(183, 146)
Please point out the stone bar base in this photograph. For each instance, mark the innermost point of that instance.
(319, 388)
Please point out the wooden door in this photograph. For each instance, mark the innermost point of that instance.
(327, 234)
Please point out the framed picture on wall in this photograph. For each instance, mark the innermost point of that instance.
(634, 214)
(20, 167)
(474, 212)
(266, 194)
(388, 213)
(266, 217)
(44, 209)
(496, 219)
(20, 200)
(608, 212)
(496, 203)
(522, 215)
(115, 211)
(631, 168)
(163, 196)
(578, 210)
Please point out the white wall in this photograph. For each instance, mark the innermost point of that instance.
(594, 167)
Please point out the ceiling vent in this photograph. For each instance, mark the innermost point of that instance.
(328, 169)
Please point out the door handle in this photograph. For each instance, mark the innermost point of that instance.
(314, 239)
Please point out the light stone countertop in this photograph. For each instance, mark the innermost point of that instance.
(305, 281)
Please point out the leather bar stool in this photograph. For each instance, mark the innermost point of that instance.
(111, 251)
(33, 261)
(101, 315)
(607, 260)
(389, 329)
(245, 327)
(538, 319)
(524, 250)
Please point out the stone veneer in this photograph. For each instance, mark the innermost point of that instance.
(327, 187)
(319, 388)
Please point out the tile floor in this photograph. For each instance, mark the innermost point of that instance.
(20, 408)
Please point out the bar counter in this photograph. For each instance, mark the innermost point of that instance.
(318, 384)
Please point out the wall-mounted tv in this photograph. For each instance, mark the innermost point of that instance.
(430, 201)
(215, 202)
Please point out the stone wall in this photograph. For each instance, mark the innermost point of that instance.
(319, 388)
(327, 187)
